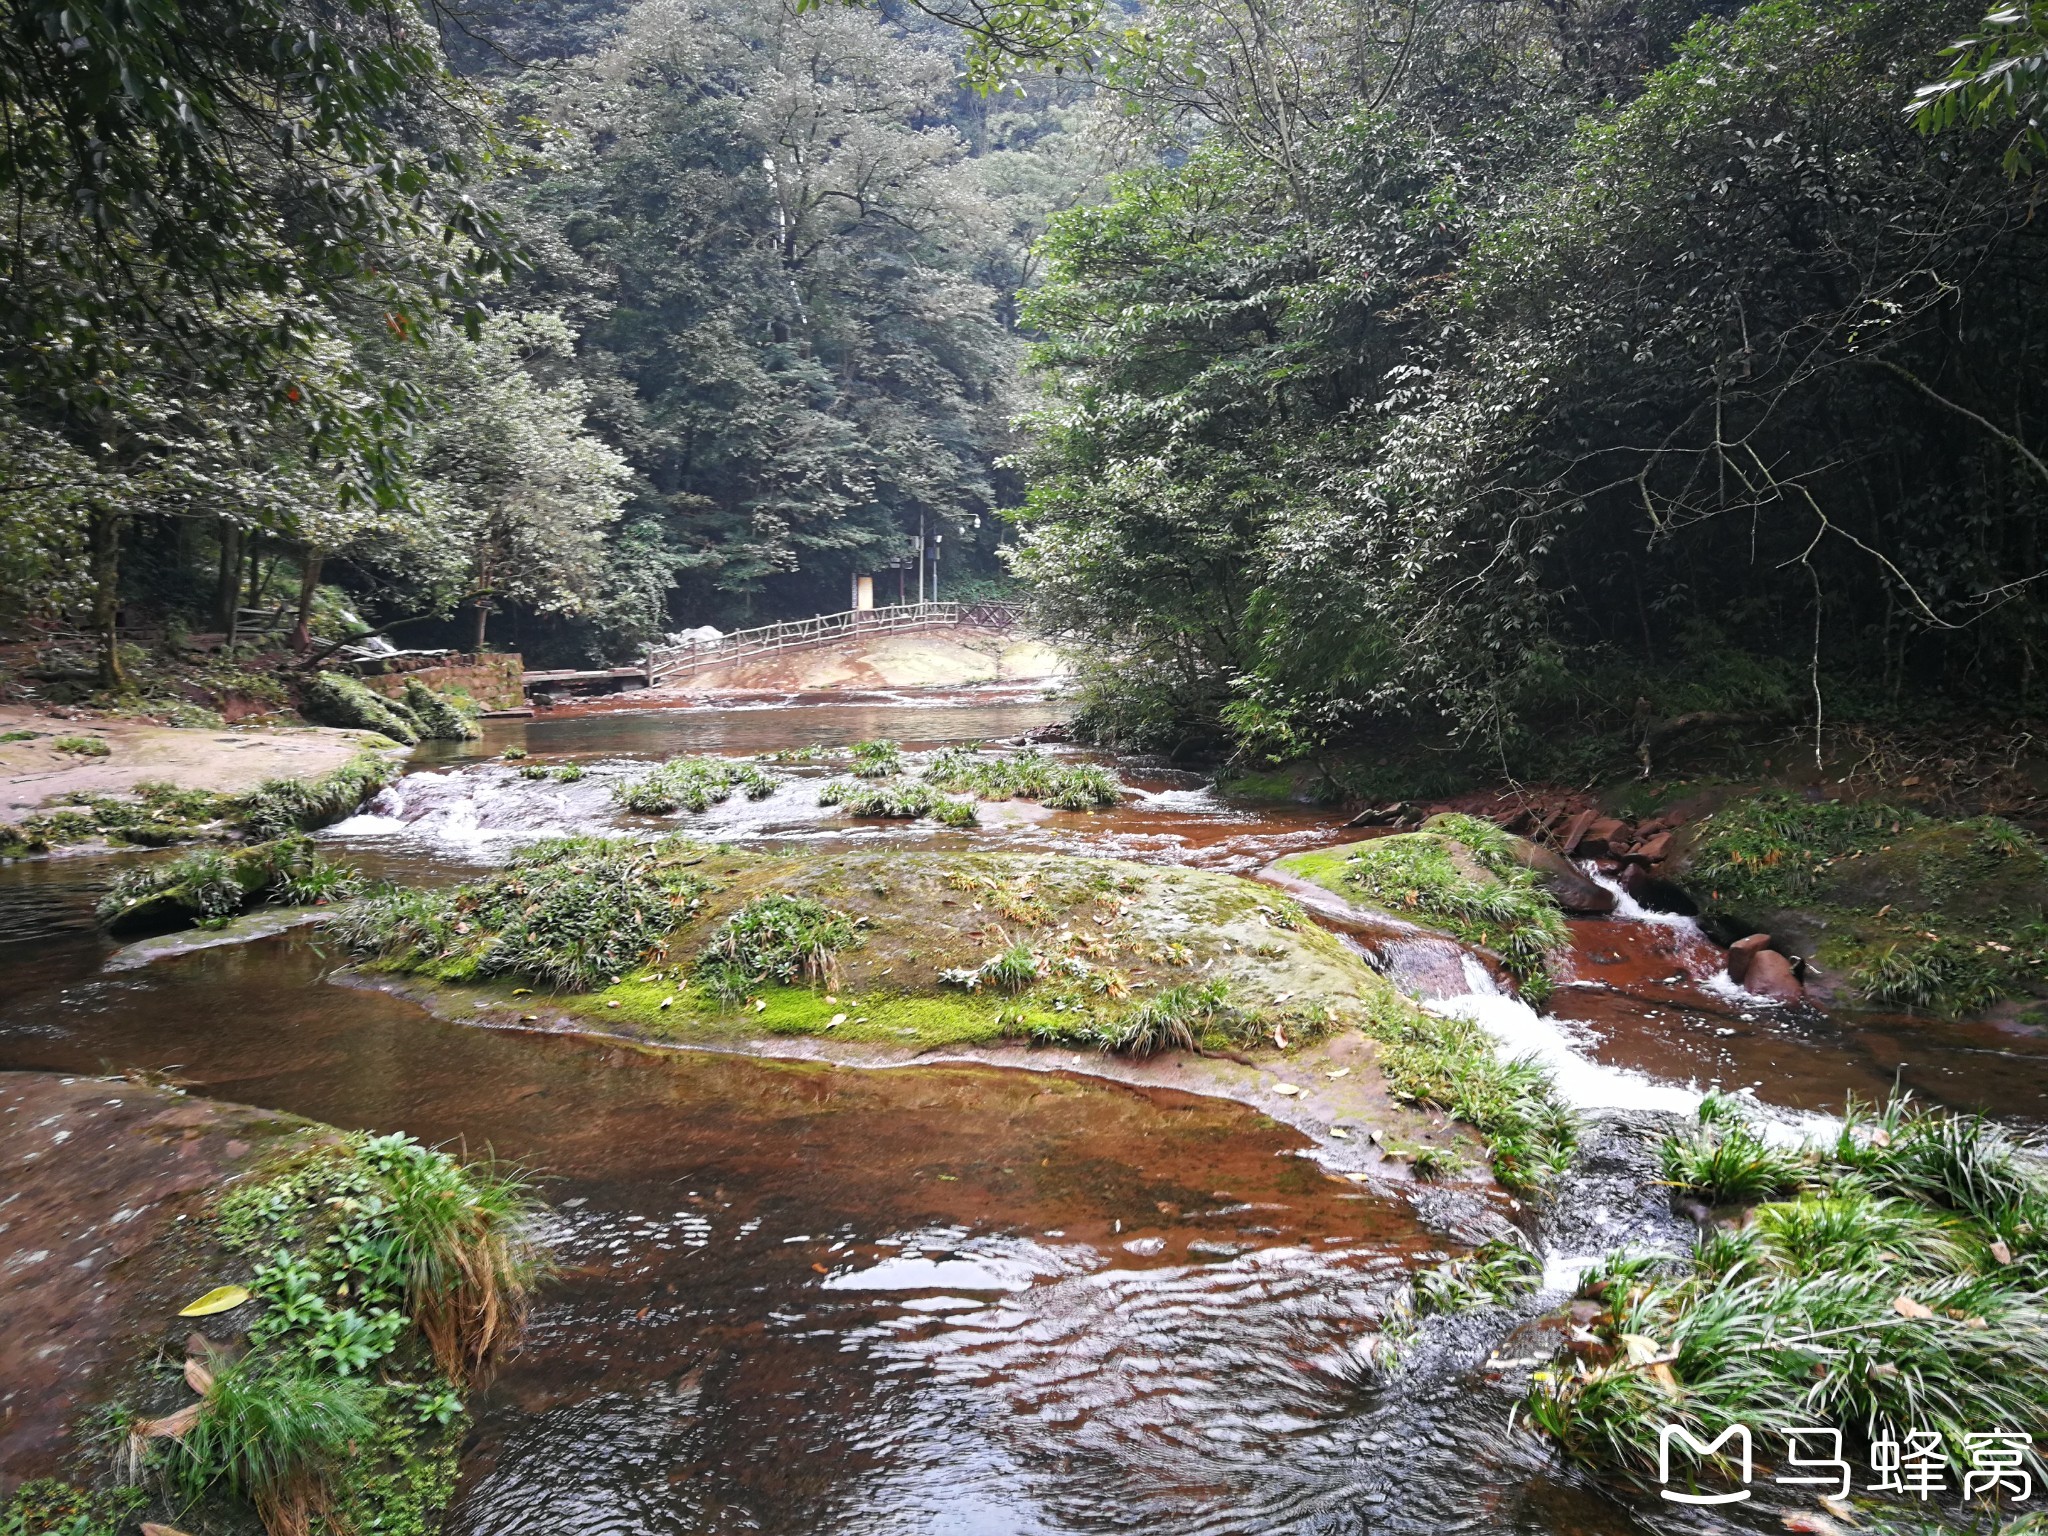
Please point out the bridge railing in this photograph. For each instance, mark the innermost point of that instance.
(664, 661)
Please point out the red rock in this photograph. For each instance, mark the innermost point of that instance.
(1742, 951)
(1576, 830)
(1770, 975)
(1652, 849)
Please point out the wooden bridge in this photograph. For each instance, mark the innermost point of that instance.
(665, 662)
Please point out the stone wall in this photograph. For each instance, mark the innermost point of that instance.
(492, 679)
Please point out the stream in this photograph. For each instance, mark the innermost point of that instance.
(801, 1299)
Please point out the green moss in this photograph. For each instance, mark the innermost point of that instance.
(83, 746)
(1899, 909)
(442, 717)
(210, 886)
(334, 698)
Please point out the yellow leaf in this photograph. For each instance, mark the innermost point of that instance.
(1906, 1306)
(222, 1298)
(198, 1378)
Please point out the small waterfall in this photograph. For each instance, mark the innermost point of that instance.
(1703, 961)
(478, 815)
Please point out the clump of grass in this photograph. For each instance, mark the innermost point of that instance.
(810, 754)
(570, 912)
(83, 746)
(1491, 901)
(212, 885)
(692, 784)
(334, 698)
(535, 771)
(441, 716)
(279, 806)
(1725, 1162)
(955, 813)
(1009, 970)
(775, 938)
(1177, 1019)
(1029, 775)
(1944, 975)
(900, 800)
(1899, 1289)
(1452, 1064)
(360, 1244)
(877, 759)
(1493, 1274)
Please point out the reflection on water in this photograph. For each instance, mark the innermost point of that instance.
(803, 1299)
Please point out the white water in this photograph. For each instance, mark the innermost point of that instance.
(1702, 959)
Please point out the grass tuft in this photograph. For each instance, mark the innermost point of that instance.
(1491, 1275)
(441, 717)
(692, 784)
(211, 885)
(775, 938)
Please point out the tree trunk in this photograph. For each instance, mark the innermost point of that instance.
(105, 535)
(483, 613)
(227, 589)
(309, 583)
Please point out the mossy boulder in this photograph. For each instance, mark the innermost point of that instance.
(928, 945)
(212, 885)
(1887, 907)
(1460, 877)
(334, 698)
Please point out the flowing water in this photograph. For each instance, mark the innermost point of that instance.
(807, 1299)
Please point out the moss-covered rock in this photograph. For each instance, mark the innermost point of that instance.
(212, 885)
(1889, 908)
(442, 717)
(334, 698)
(1459, 876)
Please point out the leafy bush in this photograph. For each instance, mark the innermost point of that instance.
(692, 784)
(83, 746)
(1501, 906)
(334, 698)
(775, 938)
(441, 718)
(877, 759)
(1728, 1164)
(572, 912)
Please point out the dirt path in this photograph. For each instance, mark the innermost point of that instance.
(34, 773)
(97, 1176)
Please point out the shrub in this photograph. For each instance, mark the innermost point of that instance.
(334, 698)
(571, 912)
(440, 717)
(775, 938)
(1502, 906)
(1729, 1164)
(692, 784)
(274, 1431)
(83, 746)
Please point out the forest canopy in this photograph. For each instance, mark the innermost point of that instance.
(1304, 364)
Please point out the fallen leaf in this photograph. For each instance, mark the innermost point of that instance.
(2000, 1252)
(1641, 1348)
(1880, 1137)
(1906, 1306)
(760, 1005)
(1340, 1072)
(1340, 1133)
(1286, 1090)
(1279, 1039)
(1666, 1382)
(1837, 1507)
(821, 1269)
(222, 1298)
(837, 1020)
(151, 1528)
(522, 991)
(612, 1002)
(198, 1377)
(668, 1002)
(1816, 1525)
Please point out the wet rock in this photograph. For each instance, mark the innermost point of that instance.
(1742, 951)
(1652, 849)
(1653, 893)
(1563, 879)
(1769, 974)
(1614, 1194)
(1605, 838)
(1575, 831)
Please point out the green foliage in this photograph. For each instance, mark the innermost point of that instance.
(1728, 1163)
(570, 912)
(335, 698)
(440, 716)
(1491, 901)
(1009, 970)
(1452, 1063)
(1028, 775)
(1997, 75)
(83, 746)
(1491, 1275)
(692, 784)
(1873, 1300)
(1177, 1019)
(877, 759)
(211, 885)
(775, 938)
(48, 1507)
(280, 806)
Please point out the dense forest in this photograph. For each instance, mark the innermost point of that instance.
(1305, 365)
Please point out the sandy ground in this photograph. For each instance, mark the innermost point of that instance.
(33, 773)
(941, 658)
